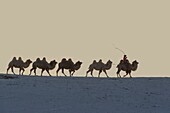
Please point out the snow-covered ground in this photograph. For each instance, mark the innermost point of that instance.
(34, 94)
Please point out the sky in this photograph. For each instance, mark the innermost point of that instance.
(87, 30)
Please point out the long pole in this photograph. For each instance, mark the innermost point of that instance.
(119, 49)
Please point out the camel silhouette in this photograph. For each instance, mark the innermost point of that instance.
(69, 65)
(43, 65)
(127, 67)
(99, 66)
(18, 64)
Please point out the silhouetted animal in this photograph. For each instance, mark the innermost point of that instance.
(127, 68)
(18, 64)
(99, 66)
(43, 65)
(69, 65)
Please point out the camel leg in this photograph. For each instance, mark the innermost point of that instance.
(57, 71)
(23, 70)
(7, 70)
(70, 72)
(130, 74)
(31, 71)
(19, 71)
(48, 72)
(73, 72)
(12, 69)
(63, 72)
(118, 73)
(92, 73)
(42, 71)
(87, 72)
(126, 74)
(35, 71)
(99, 73)
(106, 73)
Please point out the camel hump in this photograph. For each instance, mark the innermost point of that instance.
(14, 59)
(44, 59)
(100, 60)
(38, 59)
(94, 61)
(63, 60)
(20, 58)
(70, 61)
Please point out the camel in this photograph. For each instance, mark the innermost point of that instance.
(43, 65)
(18, 64)
(99, 66)
(69, 65)
(127, 68)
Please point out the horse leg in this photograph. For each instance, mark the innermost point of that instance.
(48, 72)
(99, 73)
(42, 71)
(105, 73)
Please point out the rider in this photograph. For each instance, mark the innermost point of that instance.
(125, 60)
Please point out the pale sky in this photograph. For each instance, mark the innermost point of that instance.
(86, 30)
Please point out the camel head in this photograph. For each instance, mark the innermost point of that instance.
(108, 65)
(135, 62)
(77, 65)
(79, 62)
(109, 62)
(134, 65)
(29, 61)
(53, 62)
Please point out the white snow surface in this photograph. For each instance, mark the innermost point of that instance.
(35, 94)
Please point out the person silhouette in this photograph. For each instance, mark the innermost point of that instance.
(125, 60)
